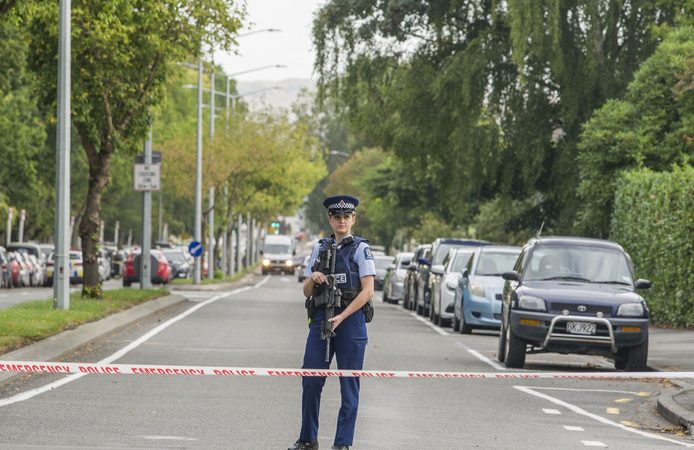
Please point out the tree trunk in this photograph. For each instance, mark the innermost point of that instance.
(89, 225)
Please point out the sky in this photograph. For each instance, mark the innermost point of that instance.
(291, 46)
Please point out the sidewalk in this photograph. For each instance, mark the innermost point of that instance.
(673, 350)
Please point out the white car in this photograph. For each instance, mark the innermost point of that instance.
(394, 284)
(443, 291)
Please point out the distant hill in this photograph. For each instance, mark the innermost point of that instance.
(276, 98)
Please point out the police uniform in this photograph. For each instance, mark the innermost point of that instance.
(353, 261)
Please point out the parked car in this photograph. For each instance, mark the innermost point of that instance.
(381, 262)
(574, 295)
(104, 262)
(160, 270)
(444, 283)
(47, 252)
(76, 267)
(5, 269)
(14, 270)
(439, 249)
(301, 268)
(278, 253)
(37, 270)
(178, 262)
(393, 285)
(32, 266)
(411, 277)
(479, 290)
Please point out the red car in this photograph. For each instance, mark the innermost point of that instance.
(160, 268)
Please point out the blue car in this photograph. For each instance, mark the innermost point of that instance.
(477, 301)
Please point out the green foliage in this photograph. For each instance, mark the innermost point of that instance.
(653, 219)
(653, 127)
(498, 218)
(480, 99)
(431, 227)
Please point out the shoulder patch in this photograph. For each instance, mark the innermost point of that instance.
(367, 253)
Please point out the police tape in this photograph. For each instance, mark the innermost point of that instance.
(142, 369)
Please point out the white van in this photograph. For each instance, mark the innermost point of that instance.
(278, 251)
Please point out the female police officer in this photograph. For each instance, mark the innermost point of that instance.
(354, 275)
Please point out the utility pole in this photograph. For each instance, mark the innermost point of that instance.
(61, 284)
(210, 196)
(22, 218)
(8, 236)
(161, 217)
(238, 243)
(249, 243)
(115, 233)
(197, 272)
(146, 266)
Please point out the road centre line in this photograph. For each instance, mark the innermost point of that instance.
(573, 428)
(551, 411)
(593, 444)
(598, 418)
(123, 351)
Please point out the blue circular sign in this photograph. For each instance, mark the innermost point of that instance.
(195, 248)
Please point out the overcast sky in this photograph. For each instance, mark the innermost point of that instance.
(291, 47)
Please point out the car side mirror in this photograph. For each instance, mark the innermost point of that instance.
(261, 252)
(511, 276)
(424, 261)
(465, 273)
(642, 284)
(405, 263)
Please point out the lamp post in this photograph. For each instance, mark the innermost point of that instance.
(61, 292)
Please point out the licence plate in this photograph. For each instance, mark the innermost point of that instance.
(580, 327)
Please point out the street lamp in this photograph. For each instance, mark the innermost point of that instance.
(339, 153)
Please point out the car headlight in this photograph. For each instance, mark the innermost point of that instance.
(532, 303)
(630, 310)
(477, 289)
(266, 262)
(288, 263)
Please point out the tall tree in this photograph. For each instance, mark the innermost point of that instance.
(124, 52)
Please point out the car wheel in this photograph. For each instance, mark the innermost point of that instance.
(126, 283)
(456, 324)
(420, 310)
(501, 351)
(514, 350)
(637, 358)
(465, 328)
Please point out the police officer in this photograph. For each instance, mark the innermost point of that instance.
(354, 275)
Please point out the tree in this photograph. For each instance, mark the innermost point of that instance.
(124, 52)
(651, 127)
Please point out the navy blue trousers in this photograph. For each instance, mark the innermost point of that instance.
(348, 347)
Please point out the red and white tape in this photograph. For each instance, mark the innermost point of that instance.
(142, 369)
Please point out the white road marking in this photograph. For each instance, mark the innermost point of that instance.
(573, 428)
(583, 390)
(482, 358)
(285, 279)
(120, 353)
(168, 438)
(614, 411)
(598, 418)
(439, 330)
(551, 411)
(593, 444)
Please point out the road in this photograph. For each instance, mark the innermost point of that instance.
(265, 326)
(11, 297)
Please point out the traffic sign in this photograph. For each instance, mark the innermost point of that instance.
(147, 177)
(195, 248)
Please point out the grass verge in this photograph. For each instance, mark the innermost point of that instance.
(229, 279)
(33, 321)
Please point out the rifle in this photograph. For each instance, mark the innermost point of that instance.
(333, 294)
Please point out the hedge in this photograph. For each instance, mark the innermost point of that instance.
(653, 219)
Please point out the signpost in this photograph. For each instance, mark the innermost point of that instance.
(147, 177)
(195, 249)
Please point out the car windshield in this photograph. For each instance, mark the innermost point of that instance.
(382, 263)
(404, 262)
(277, 249)
(174, 256)
(579, 263)
(442, 252)
(496, 263)
(461, 260)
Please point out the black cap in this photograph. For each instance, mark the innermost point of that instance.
(341, 204)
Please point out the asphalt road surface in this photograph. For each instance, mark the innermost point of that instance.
(265, 326)
(11, 297)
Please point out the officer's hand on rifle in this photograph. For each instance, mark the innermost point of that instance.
(336, 321)
(319, 278)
